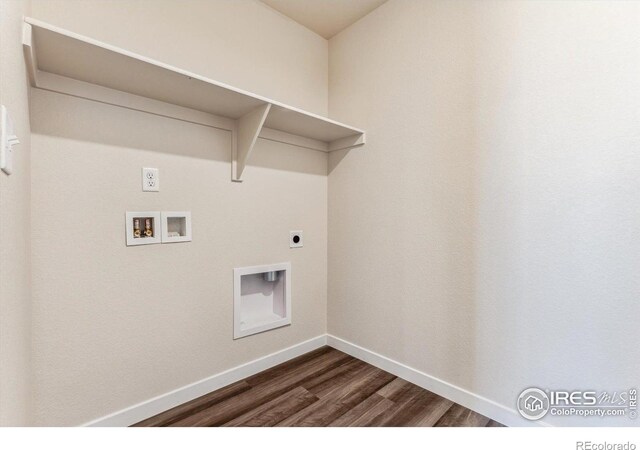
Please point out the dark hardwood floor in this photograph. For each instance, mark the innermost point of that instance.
(323, 388)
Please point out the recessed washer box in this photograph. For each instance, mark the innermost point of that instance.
(143, 227)
(261, 298)
(176, 226)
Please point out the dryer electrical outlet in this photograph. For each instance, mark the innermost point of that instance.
(295, 239)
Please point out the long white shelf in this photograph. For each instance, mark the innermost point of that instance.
(63, 61)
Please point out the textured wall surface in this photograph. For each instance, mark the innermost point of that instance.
(15, 295)
(487, 235)
(114, 326)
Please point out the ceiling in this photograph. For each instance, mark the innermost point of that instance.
(325, 17)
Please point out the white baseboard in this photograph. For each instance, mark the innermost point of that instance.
(499, 413)
(156, 405)
(149, 408)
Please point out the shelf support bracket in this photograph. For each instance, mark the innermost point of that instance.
(30, 54)
(244, 136)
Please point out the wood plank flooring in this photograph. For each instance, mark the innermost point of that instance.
(323, 388)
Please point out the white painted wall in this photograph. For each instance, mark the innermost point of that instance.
(15, 296)
(114, 326)
(488, 235)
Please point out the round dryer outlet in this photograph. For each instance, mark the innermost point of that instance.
(295, 239)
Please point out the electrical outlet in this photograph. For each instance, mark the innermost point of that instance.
(150, 179)
(295, 239)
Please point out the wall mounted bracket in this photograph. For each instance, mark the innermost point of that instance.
(245, 135)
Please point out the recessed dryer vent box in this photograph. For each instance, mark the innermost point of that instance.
(176, 226)
(261, 298)
(143, 227)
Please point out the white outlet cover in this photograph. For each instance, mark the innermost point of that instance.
(150, 179)
(292, 239)
(7, 140)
